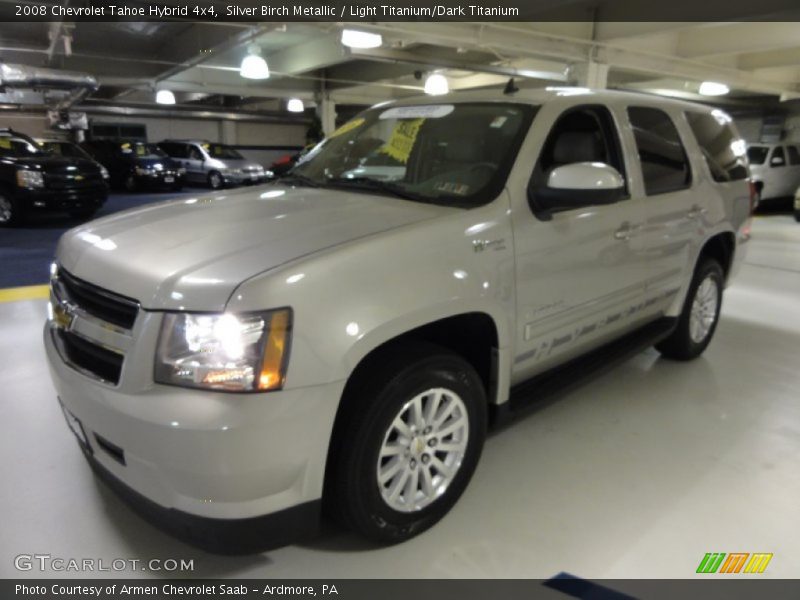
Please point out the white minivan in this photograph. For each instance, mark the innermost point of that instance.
(775, 169)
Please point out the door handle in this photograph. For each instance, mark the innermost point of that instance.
(624, 232)
(695, 212)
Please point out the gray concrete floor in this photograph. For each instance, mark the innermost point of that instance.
(637, 474)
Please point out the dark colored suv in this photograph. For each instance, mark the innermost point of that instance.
(32, 178)
(136, 165)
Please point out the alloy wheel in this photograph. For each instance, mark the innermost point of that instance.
(704, 309)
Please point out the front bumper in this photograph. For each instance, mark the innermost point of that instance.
(244, 178)
(63, 199)
(199, 454)
(159, 179)
(221, 536)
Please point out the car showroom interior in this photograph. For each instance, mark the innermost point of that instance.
(163, 183)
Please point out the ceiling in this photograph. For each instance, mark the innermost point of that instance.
(759, 61)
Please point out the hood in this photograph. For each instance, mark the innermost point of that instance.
(59, 164)
(190, 254)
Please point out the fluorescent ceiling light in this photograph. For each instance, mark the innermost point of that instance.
(436, 84)
(712, 88)
(361, 39)
(254, 67)
(165, 97)
(295, 105)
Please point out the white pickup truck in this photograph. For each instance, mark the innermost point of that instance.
(234, 362)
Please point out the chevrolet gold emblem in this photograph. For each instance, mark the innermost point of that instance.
(78, 177)
(61, 317)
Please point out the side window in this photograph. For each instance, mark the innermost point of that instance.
(794, 155)
(194, 153)
(778, 159)
(581, 134)
(665, 167)
(723, 151)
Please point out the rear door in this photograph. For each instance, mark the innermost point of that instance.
(580, 275)
(673, 211)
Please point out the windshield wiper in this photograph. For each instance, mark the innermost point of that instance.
(367, 183)
(294, 177)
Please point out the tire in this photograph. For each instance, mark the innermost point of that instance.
(700, 315)
(412, 375)
(130, 184)
(12, 213)
(215, 180)
(797, 216)
(177, 187)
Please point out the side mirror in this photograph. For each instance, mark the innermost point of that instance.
(577, 185)
(776, 161)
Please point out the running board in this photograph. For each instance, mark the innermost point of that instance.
(562, 379)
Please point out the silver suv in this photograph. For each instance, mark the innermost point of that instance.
(215, 165)
(344, 336)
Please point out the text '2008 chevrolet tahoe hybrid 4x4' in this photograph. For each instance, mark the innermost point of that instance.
(231, 363)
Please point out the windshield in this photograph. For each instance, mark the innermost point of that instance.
(220, 151)
(142, 150)
(18, 147)
(757, 154)
(64, 149)
(453, 154)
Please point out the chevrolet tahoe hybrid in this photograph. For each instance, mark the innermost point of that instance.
(234, 362)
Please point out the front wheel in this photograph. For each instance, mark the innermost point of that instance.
(797, 216)
(215, 180)
(411, 444)
(11, 213)
(698, 320)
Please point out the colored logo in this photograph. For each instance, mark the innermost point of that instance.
(735, 562)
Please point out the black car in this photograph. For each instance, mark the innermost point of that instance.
(32, 178)
(135, 165)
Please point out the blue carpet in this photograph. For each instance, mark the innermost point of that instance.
(26, 252)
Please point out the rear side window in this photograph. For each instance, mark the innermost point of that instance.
(794, 155)
(723, 151)
(665, 167)
(778, 159)
(757, 155)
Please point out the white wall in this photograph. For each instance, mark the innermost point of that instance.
(244, 133)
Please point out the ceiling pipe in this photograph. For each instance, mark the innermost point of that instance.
(20, 77)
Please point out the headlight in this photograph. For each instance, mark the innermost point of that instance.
(244, 352)
(141, 171)
(181, 171)
(104, 172)
(30, 179)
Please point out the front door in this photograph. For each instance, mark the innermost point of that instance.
(580, 275)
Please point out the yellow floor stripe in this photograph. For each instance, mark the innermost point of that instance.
(31, 292)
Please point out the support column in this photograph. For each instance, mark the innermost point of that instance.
(326, 111)
(228, 132)
(591, 74)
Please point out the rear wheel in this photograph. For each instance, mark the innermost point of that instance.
(411, 444)
(797, 216)
(698, 320)
(11, 213)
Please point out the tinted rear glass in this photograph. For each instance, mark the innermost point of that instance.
(723, 150)
(665, 167)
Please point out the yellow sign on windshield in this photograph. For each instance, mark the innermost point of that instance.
(5, 143)
(401, 142)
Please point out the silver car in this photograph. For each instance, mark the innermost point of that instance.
(215, 165)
